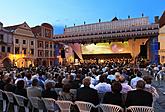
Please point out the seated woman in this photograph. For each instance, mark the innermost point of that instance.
(65, 93)
(114, 97)
(48, 93)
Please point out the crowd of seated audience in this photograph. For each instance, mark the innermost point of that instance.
(118, 83)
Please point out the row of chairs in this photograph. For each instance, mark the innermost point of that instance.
(9, 98)
(50, 104)
(86, 106)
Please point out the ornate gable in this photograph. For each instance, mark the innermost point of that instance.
(25, 30)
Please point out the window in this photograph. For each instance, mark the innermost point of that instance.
(46, 45)
(16, 41)
(40, 44)
(50, 45)
(50, 53)
(32, 51)
(23, 50)
(32, 43)
(40, 53)
(46, 53)
(24, 41)
(17, 50)
(3, 48)
(1, 37)
(8, 49)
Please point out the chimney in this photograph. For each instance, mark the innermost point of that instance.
(99, 20)
(1, 25)
(156, 19)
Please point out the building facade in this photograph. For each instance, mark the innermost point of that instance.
(24, 45)
(45, 44)
(138, 32)
(6, 47)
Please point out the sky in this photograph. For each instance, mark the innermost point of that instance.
(69, 12)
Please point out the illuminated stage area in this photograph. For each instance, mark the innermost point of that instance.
(106, 48)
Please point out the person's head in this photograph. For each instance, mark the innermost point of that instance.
(29, 76)
(102, 78)
(9, 80)
(48, 85)
(122, 79)
(66, 88)
(116, 87)
(78, 76)
(117, 75)
(21, 84)
(87, 81)
(140, 84)
(35, 82)
(139, 74)
(70, 77)
(147, 79)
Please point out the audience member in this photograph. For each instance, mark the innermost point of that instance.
(34, 90)
(65, 93)
(139, 97)
(114, 97)
(125, 86)
(86, 93)
(48, 92)
(137, 78)
(20, 88)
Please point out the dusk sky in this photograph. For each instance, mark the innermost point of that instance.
(68, 12)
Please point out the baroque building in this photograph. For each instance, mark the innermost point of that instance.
(24, 45)
(45, 44)
(6, 46)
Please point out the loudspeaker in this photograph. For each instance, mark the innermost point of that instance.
(62, 53)
(143, 51)
(158, 45)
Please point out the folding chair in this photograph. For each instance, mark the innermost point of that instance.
(140, 109)
(110, 108)
(64, 105)
(10, 98)
(36, 104)
(3, 100)
(84, 106)
(21, 102)
(50, 104)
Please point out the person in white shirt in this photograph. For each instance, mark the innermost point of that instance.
(125, 86)
(134, 80)
(102, 86)
(91, 85)
(150, 88)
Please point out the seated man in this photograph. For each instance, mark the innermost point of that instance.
(86, 93)
(34, 90)
(139, 97)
